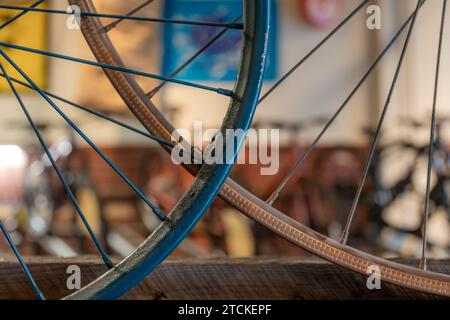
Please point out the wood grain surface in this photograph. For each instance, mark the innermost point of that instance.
(223, 278)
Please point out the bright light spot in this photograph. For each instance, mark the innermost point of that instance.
(65, 148)
(12, 156)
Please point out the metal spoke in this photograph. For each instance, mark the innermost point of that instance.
(423, 260)
(27, 9)
(274, 196)
(345, 233)
(67, 188)
(310, 53)
(114, 24)
(23, 265)
(124, 17)
(98, 114)
(155, 90)
(141, 195)
(225, 92)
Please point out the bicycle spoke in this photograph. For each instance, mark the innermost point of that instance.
(27, 9)
(225, 92)
(213, 40)
(98, 114)
(274, 196)
(114, 24)
(141, 195)
(345, 233)
(125, 17)
(310, 53)
(423, 260)
(22, 263)
(67, 188)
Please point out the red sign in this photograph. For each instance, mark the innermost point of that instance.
(321, 13)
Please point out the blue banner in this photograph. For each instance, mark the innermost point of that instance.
(221, 60)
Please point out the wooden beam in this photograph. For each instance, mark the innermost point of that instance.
(256, 278)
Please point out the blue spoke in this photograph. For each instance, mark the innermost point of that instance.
(21, 14)
(114, 24)
(67, 188)
(124, 17)
(98, 114)
(191, 59)
(141, 195)
(225, 92)
(25, 269)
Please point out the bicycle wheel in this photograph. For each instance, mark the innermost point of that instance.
(243, 99)
(263, 212)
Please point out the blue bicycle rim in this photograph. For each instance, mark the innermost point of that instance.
(210, 178)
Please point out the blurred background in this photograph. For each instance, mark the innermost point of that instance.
(34, 206)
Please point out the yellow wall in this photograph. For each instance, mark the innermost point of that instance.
(28, 31)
